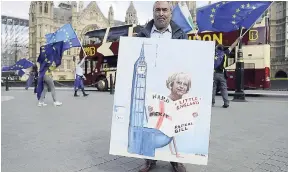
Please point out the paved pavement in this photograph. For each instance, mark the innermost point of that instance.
(250, 136)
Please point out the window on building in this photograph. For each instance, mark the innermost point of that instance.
(61, 67)
(40, 30)
(68, 52)
(32, 17)
(46, 8)
(68, 64)
(40, 7)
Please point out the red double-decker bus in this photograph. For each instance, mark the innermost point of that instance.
(256, 53)
(102, 56)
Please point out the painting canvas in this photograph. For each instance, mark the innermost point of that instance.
(162, 100)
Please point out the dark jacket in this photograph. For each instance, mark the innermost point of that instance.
(177, 32)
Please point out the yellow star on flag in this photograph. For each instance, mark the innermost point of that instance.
(253, 7)
(234, 16)
(248, 5)
(234, 22)
(237, 10)
(213, 10)
(217, 5)
(243, 6)
(212, 21)
(211, 16)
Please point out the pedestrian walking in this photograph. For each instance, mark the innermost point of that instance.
(49, 85)
(79, 77)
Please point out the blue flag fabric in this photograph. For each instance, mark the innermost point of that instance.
(205, 17)
(182, 17)
(20, 73)
(48, 54)
(236, 14)
(67, 44)
(19, 65)
(66, 34)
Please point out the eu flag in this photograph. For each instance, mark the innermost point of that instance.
(236, 14)
(206, 15)
(66, 34)
(48, 54)
(20, 73)
(19, 65)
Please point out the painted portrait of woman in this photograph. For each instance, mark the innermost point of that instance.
(179, 84)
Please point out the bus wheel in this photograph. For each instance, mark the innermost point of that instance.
(102, 84)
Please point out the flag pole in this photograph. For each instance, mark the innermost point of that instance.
(80, 42)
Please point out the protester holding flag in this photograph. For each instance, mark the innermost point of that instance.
(49, 59)
(79, 76)
(220, 78)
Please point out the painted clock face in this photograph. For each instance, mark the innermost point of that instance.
(141, 69)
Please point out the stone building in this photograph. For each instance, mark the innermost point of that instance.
(279, 39)
(45, 18)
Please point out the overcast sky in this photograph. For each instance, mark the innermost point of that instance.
(144, 8)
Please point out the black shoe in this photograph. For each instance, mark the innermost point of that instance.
(225, 106)
(213, 104)
(75, 94)
(85, 95)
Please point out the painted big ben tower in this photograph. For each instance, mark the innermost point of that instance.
(137, 105)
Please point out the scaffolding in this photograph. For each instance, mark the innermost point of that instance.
(14, 39)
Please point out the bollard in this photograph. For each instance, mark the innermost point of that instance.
(111, 84)
(6, 83)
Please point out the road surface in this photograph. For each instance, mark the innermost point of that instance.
(246, 137)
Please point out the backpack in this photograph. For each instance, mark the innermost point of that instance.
(218, 59)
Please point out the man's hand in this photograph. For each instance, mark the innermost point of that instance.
(197, 36)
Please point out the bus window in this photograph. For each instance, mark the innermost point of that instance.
(231, 57)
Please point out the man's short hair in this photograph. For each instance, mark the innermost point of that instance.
(169, 2)
(220, 47)
(171, 79)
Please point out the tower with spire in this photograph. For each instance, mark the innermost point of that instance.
(131, 15)
(40, 19)
(111, 16)
(138, 116)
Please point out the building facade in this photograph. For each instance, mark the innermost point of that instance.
(278, 15)
(45, 18)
